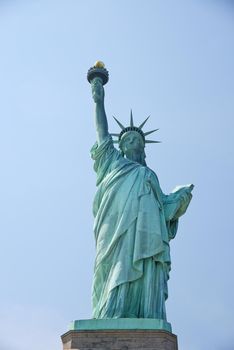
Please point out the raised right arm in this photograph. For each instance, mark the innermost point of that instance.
(100, 114)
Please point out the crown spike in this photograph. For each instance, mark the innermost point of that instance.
(114, 134)
(150, 132)
(142, 124)
(131, 119)
(151, 141)
(120, 125)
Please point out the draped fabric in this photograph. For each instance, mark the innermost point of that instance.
(134, 222)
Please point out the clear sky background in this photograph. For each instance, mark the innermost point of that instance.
(170, 59)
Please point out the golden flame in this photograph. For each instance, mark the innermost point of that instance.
(99, 64)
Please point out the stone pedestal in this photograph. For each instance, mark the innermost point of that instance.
(118, 339)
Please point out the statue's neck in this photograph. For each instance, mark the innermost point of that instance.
(135, 156)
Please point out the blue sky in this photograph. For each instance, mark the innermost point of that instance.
(170, 59)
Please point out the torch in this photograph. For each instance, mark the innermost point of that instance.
(98, 70)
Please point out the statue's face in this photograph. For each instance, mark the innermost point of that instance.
(131, 141)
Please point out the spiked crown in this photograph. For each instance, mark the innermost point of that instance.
(132, 127)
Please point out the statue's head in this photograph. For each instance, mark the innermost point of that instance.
(132, 141)
(132, 146)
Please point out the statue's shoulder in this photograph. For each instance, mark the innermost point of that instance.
(106, 146)
(152, 176)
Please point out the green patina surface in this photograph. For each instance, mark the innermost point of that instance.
(134, 223)
(120, 324)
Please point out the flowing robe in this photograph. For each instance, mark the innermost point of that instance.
(134, 222)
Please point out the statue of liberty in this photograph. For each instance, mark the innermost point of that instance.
(134, 220)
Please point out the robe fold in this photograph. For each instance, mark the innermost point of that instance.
(134, 222)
